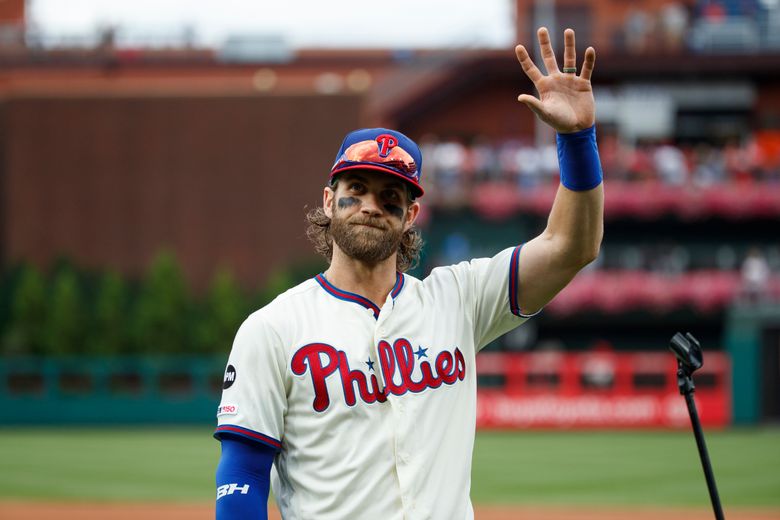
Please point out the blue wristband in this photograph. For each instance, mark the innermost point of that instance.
(578, 158)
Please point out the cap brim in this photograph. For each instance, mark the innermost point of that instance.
(417, 190)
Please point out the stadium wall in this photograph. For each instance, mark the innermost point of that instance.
(111, 180)
(516, 390)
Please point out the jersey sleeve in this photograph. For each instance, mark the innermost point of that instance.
(487, 293)
(254, 395)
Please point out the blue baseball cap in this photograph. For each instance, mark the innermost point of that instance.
(383, 150)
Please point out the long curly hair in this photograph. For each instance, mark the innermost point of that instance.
(319, 234)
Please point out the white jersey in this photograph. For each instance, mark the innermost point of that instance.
(373, 412)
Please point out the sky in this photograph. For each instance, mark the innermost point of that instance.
(302, 23)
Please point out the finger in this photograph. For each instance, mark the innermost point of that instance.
(533, 103)
(547, 51)
(530, 69)
(587, 64)
(569, 50)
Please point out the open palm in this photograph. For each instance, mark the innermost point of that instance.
(565, 99)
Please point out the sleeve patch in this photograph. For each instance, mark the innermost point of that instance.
(227, 409)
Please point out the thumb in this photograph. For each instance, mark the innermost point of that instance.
(533, 103)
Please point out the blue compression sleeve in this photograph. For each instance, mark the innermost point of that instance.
(578, 157)
(243, 479)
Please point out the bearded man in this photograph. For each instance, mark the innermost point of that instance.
(358, 386)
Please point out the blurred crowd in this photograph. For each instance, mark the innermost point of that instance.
(644, 29)
(667, 258)
(703, 25)
(454, 166)
(755, 159)
(659, 277)
(733, 180)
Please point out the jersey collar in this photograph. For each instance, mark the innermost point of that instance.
(356, 298)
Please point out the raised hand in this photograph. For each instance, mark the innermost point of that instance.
(565, 99)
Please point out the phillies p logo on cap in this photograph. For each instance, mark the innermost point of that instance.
(384, 150)
(386, 143)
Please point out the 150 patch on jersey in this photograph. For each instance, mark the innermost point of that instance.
(227, 409)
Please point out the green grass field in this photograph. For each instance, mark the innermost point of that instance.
(599, 468)
(659, 468)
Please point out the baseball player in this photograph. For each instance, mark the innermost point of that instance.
(358, 386)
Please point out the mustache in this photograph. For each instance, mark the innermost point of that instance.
(367, 221)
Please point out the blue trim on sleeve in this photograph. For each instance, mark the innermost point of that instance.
(514, 262)
(246, 433)
(578, 157)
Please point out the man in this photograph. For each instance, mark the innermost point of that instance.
(359, 385)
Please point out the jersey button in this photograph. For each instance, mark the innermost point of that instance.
(382, 331)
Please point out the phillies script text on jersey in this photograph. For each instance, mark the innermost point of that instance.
(449, 368)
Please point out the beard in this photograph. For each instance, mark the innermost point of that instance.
(366, 244)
